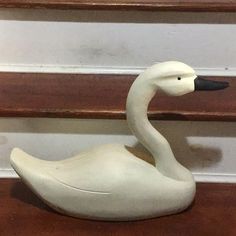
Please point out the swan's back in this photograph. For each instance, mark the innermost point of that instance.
(98, 170)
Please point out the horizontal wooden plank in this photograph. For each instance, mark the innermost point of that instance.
(104, 96)
(151, 5)
(212, 213)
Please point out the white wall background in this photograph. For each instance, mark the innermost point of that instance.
(118, 42)
(71, 40)
(207, 149)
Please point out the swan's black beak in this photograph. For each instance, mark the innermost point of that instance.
(203, 84)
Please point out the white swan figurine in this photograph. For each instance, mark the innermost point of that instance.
(109, 182)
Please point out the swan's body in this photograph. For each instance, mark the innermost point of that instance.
(112, 185)
(109, 182)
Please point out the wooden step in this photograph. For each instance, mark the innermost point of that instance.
(104, 96)
(137, 5)
(212, 213)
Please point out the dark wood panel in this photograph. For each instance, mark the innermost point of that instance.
(212, 213)
(104, 96)
(153, 5)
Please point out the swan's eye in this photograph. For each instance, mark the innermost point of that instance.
(179, 78)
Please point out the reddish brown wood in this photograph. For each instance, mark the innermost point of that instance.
(153, 5)
(104, 96)
(22, 213)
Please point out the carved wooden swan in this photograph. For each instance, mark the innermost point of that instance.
(111, 183)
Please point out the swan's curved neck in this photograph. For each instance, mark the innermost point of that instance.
(139, 96)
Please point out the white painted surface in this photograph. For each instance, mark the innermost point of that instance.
(207, 149)
(69, 40)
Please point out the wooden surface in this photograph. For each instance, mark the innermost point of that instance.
(212, 213)
(152, 5)
(104, 96)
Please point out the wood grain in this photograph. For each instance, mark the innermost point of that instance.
(104, 96)
(212, 213)
(151, 5)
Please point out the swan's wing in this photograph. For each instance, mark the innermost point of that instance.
(100, 171)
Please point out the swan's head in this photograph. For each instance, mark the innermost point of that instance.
(176, 78)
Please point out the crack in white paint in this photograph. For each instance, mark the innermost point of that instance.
(79, 189)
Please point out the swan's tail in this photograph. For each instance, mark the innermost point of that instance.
(26, 166)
